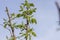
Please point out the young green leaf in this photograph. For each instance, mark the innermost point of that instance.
(34, 34)
(23, 34)
(5, 25)
(21, 7)
(18, 15)
(31, 4)
(13, 14)
(33, 20)
(34, 10)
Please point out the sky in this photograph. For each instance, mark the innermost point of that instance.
(46, 15)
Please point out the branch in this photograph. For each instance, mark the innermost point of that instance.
(57, 5)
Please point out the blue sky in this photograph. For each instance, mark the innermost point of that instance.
(46, 15)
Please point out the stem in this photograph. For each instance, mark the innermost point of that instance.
(12, 28)
(26, 37)
(27, 24)
(29, 37)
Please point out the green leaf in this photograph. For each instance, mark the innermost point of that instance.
(14, 25)
(23, 35)
(24, 12)
(30, 12)
(31, 4)
(26, 4)
(5, 25)
(13, 14)
(33, 20)
(30, 30)
(34, 34)
(21, 7)
(34, 10)
(18, 15)
(28, 18)
(21, 26)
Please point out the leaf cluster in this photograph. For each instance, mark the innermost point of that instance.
(26, 12)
